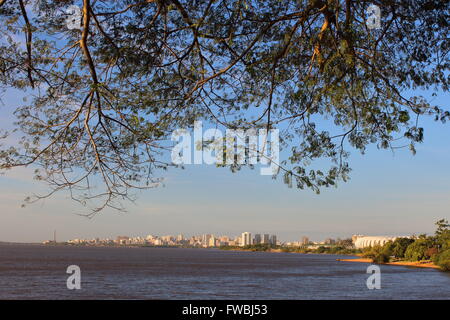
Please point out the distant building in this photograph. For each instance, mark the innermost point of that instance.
(257, 239)
(304, 241)
(356, 236)
(246, 239)
(122, 239)
(370, 241)
(212, 241)
(205, 240)
(266, 238)
(273, 240)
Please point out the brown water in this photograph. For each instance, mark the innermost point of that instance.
(39, 272)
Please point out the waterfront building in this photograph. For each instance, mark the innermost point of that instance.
(273, 240)
(205, 239)
(246, 239)
(167, 238)
(356, 236)
(305, 241)
(212, 241)
(257, 239)
(122, 239)
(370, 241)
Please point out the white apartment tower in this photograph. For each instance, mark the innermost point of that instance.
(246, 239)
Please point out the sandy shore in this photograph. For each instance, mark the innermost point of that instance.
(418, 264)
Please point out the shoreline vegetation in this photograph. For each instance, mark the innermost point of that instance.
(332, 249)
(416, 251)
(355, 255)
(417, 264)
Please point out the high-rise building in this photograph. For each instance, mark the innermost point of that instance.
(246, 239)
(122, 239)
(304, 241)
(257, 239)
(266, 238)
(212, 241)
(205, 240)
(273, 240)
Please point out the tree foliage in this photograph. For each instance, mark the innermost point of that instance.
(378, 253)
(399, 247)
(105, 98)
(418, 250)
(443, 260)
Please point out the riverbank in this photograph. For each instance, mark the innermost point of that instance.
(250, 250)
(417, 264)
(326, 250)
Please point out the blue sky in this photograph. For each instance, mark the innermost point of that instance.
(388, 194)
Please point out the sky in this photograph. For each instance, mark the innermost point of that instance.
(388, 194)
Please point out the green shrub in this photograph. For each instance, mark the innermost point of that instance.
(380, 258)
(431, 252)
(442, 259)
(418, 250)
(378, 254)
(399, 247)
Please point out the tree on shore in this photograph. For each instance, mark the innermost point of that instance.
(378, 253)
(442, 238)
(399, 247)
(419, 249)
(106, 91)
(443, 260)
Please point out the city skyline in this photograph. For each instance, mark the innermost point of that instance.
(203, 240)
(242, 239)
